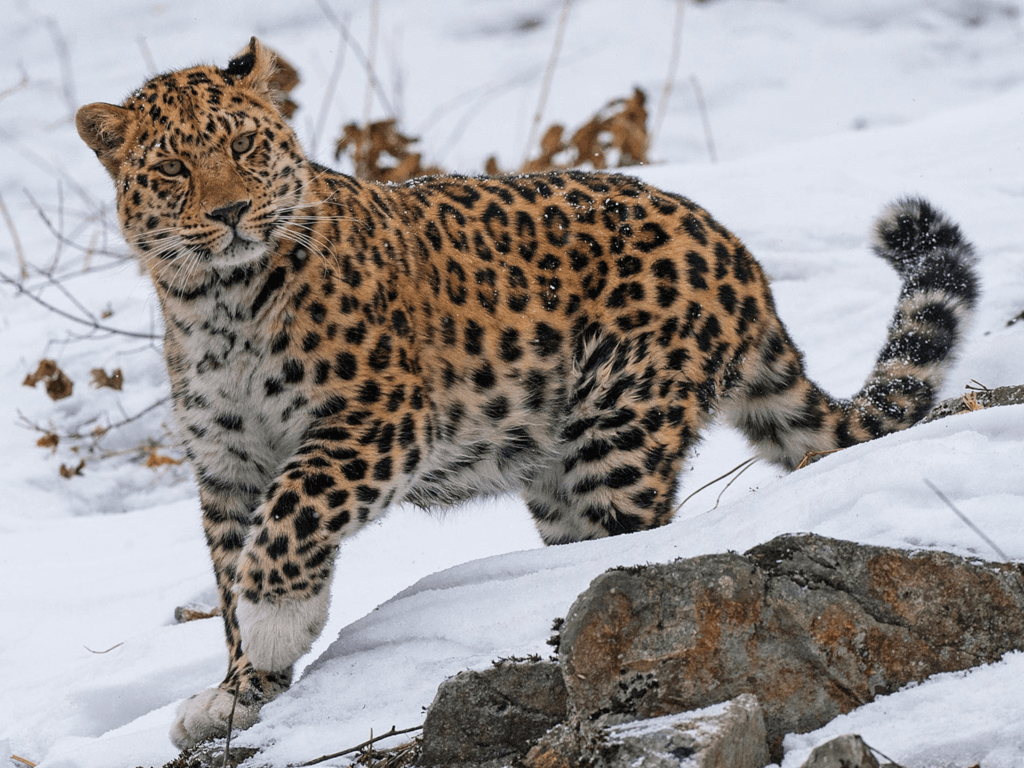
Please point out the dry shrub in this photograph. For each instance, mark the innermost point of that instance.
(382, 142)
(284, 79)
(615, 136)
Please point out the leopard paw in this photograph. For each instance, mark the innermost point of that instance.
(205, 716)
(276, 634)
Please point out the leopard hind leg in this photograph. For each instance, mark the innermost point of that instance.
(622, 441)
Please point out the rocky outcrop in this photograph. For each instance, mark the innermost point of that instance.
(810, 626)
(814, 627)
(486, 716)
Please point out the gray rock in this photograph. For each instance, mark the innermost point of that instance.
(478, 717)
(812, 626)
(847, 751)
(729, 735)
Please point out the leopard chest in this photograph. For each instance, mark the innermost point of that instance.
(240, 408)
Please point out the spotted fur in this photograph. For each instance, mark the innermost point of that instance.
(336, 346)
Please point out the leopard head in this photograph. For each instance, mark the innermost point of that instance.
(208, 174)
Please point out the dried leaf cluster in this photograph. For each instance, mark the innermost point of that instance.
(58, 385)
(380, 152)
(615, 136)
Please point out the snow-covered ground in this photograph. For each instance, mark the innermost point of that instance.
(821, 112)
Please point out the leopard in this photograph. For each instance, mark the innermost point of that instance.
(337, 346)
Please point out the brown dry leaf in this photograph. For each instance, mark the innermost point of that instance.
(284, 79)
(491, 166)
(154, 459)
(382, 142)
(44, 370)
(550, 145)
(113, 380)
(970, 400)
(69, 472)
(619, 126)
(58, 385)
(49, 440)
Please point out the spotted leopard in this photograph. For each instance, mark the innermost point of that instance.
(337, 346)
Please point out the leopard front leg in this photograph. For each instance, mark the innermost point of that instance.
(343, 476)
(227, 513)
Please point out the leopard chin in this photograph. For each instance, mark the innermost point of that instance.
(241, 252)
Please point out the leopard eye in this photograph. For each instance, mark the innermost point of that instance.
(242, 144)
(171, 168)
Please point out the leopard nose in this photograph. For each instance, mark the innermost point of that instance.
(230, 214)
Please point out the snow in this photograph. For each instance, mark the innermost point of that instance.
(821, 113)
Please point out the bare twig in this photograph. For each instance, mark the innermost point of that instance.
(549, 73)
(24, 761)
(812, 456)
(358, 747)
(231, 721)
(342, 27)
(670, 77)
(17, 86)
(371, 44)
(76, 435)
(22, 264)
(740, 468)
(90, 322)
(332, 85)
(100, 653)
(967, 520)
(147, 55)
(703, 108)
(60, 46)
(884, 756)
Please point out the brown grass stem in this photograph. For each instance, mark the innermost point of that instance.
(549, 73)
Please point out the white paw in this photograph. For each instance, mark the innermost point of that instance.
(205, 716)
(275, 635)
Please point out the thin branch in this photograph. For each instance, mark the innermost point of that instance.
(332, 85)
(670, 77)
(22, 263)
(76, 435)
(93, 324)
(62, 239)
(882, 755)
(967, 520)
(727, 485)
(703, 109)
(60, 45)
(342, 28)
(100, 653)
(372, 740)
(371, 44)
(231, 720)
(549, 73)
(741, 468)
(147, 55)
(21, 84)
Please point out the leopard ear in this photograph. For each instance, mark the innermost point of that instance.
(254, 66)
(103, 128)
